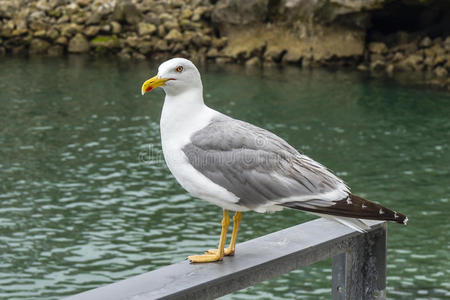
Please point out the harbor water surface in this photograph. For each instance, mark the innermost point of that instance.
(86, 198)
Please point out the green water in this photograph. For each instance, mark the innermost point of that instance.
(86, 200)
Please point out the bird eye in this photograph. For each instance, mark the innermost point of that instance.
(179, 69)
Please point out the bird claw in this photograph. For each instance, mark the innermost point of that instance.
(227, 252)
(204, 258)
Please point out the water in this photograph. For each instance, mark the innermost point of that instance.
(86, 199)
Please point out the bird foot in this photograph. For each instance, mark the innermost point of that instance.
(205, 258)
(227, 252)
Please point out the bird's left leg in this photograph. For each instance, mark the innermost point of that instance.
(210, 257)
(230, 250)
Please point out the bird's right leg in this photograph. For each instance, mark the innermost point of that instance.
(211, 257)
(230, 250)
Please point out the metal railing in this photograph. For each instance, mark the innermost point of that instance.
(359, 266)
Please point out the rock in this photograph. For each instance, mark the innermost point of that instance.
(435, 50)
(6, 32)
(199, 12)
(219, 43)
(8, 8)
(125, 54)
(438, 40)
(70, 29)
(186, 14)
(55, 50)
(94, 19)
(174, 36)
(104, 42)
(407, 49)
(161, 45)
(78, 44)
(440, 60)
(79, 18)
(447, 64)
(390, 69)
(62, 40)
(253, 62)
(292, 57)
(200, 40)
(38, 46)
(146, 29)
(55, 13)
(428, 61)
(188, 25)
(377, 66)
(116, 28)
(132, 41)
(161, 31)
(425, 42)
(52, 34)
(274, 53)
(91, 31)
(245, 46)
(212, 53)
(138, 56)
(40, 33)
(83, 3)
(375, 57)
(63, 19)
(236, 12)
(177, 47)
(42, 5)
(398, 56)
(38, 26)
(2, 51)
(19, 50)
(19, 32)
(447, 43)
(105, 28)
(176, 3)
(36, 16)
(188, 38)
(145, 47)
(171, 24)
(128, 12)
(223, 60)
(378, 48)
(411, 63)
(440, 72)
(20, 20)
(198, 56)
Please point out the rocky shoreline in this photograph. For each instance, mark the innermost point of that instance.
(254, 32)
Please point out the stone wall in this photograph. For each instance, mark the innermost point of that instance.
(379, 36)
(131, 29)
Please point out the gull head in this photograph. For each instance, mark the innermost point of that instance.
(175, 76)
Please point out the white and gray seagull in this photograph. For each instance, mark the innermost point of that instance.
(241, 167)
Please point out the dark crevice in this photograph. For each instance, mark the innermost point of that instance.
(272, 10)
(432, 19)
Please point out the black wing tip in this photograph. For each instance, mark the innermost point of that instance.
(383, 213)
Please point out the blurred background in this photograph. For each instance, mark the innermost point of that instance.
(85, 196)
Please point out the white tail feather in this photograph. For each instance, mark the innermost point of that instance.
(353, 223)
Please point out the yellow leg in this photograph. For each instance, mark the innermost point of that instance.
(220, 253)
(231, 249)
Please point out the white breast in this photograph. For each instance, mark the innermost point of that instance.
(177, 127)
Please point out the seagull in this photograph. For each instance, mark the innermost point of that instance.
(241, 167)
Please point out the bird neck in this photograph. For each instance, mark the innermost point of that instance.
(183, 105)
(183, 113)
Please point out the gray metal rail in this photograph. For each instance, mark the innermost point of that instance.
(359, 266)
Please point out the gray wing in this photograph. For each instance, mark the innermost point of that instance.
(259, 167)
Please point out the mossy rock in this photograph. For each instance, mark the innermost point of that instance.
(103, 43)
(55, 13)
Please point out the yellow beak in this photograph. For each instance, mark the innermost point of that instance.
(152, 83)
